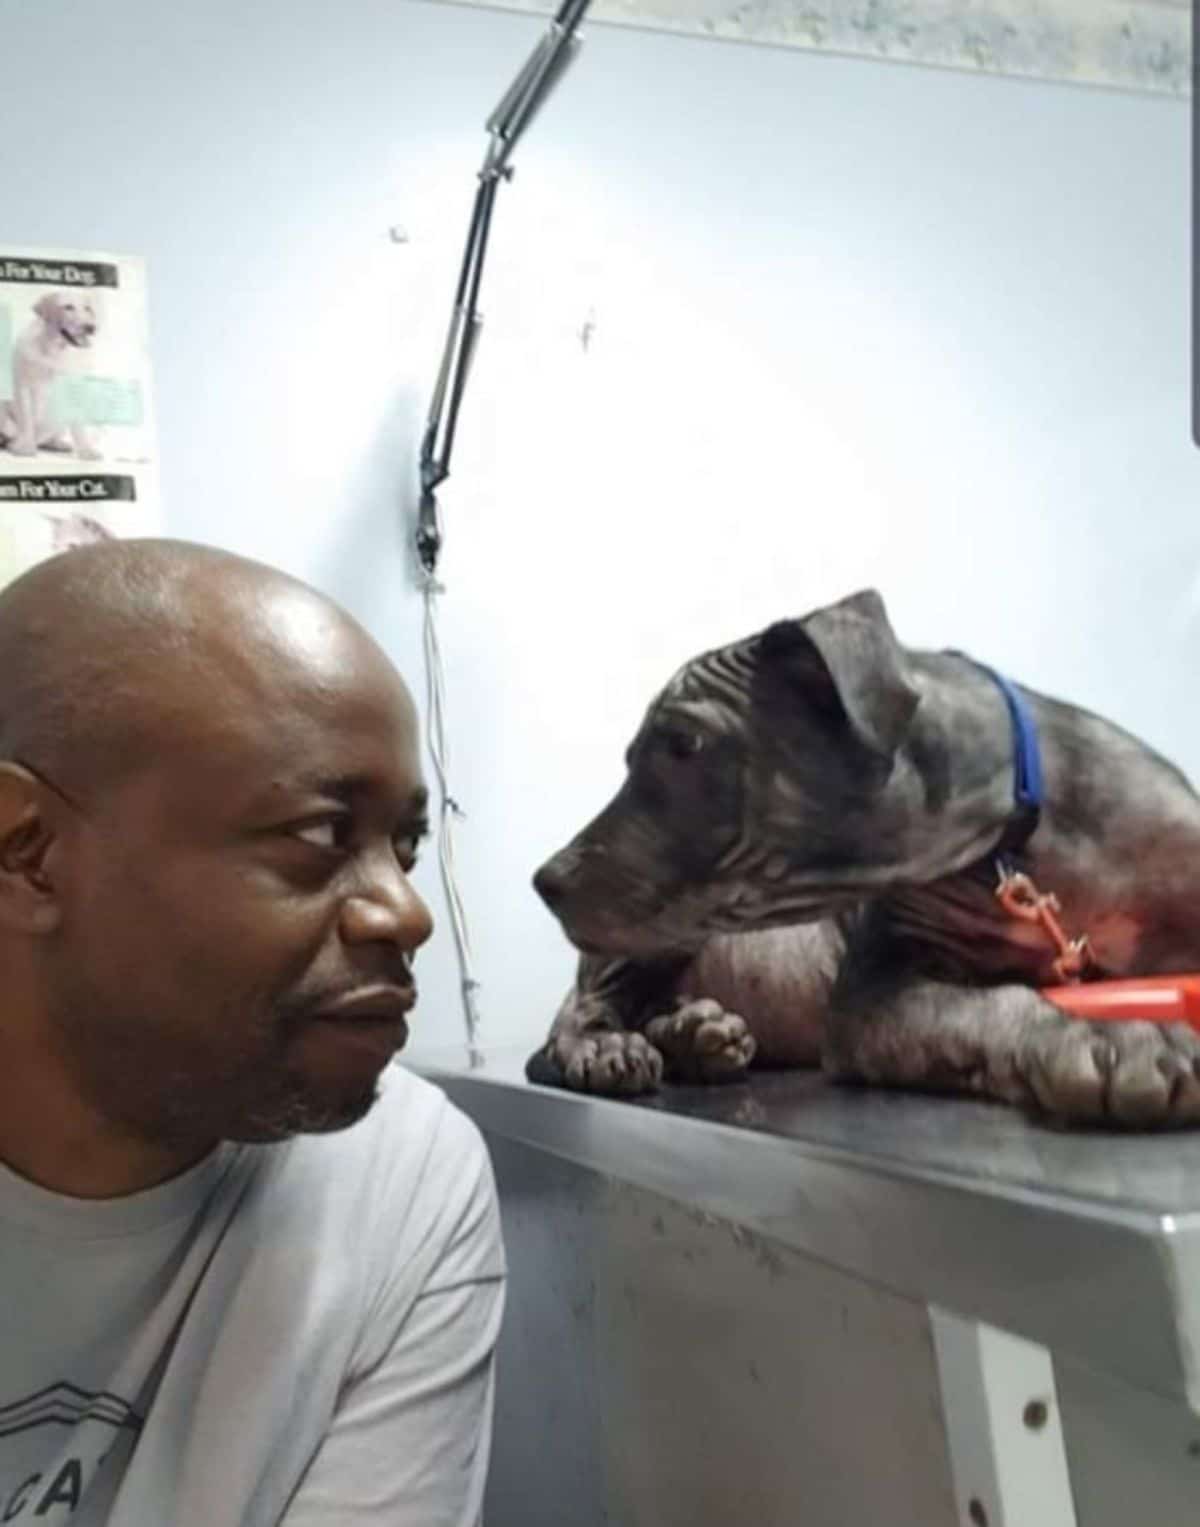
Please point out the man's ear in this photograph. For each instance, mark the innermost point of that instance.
(847, 665)
(28, 898)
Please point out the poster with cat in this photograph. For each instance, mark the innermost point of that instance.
(77, 458)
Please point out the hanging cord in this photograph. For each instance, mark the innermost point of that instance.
(520, 102)
(449, 813)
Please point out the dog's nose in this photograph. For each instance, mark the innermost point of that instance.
(551, 882)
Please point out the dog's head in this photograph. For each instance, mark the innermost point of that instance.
(759, 791)
(73, 316)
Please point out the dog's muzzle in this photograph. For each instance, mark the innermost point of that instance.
(553, 882)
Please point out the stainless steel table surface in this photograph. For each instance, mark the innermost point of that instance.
(1086, 1241)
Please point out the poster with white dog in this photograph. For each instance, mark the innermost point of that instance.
(77, 460)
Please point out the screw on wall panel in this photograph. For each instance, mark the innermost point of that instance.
(1036, 1414)
(976, 1512)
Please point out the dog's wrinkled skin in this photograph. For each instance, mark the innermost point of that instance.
(63, 326)
(799, 868)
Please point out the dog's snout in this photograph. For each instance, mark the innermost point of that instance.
(558, 879)
(552, 882)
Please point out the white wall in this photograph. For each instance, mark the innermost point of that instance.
(853, 323)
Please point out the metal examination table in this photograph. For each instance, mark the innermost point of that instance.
(784, 1302)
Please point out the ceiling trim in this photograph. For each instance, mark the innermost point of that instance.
(1142, 45)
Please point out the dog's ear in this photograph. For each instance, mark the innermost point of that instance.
(46, 307)
(846, 661)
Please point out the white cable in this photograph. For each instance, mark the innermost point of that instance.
(449, 812)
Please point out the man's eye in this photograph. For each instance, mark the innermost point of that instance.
(408, 850)
(328, 833)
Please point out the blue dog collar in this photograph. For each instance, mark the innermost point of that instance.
(1028, 786)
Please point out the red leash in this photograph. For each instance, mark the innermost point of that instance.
(1158, 999)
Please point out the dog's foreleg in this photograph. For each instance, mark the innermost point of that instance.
(1008, 1042)
(23, 413)
(701, 1042)
(593, 1045)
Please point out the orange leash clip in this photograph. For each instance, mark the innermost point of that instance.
(1020, 898)
(1151, 999)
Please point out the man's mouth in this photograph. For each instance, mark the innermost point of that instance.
(374, 1017)
(366, 1004)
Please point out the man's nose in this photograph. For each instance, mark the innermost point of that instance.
(384, 908)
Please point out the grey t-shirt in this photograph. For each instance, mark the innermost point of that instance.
(296, 1335)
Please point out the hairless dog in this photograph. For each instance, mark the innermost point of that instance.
(813, 859)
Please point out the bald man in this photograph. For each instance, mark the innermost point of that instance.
(251, 1273)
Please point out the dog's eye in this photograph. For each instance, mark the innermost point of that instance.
(681, 744)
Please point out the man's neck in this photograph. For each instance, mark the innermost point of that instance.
(93, 1169)
(56, 1139)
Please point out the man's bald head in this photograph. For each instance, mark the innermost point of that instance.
(210, 806)
(109, 649)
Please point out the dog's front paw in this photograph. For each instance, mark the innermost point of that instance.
(611, 1063)
(1143, 1075)
(700, 1041)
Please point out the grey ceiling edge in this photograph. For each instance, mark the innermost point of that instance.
(1142, 45)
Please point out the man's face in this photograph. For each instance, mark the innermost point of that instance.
(234, 954)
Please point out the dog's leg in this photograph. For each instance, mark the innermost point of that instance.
(24, 414)
(1008, 1042)
(593, 1046)
(701, 1042)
